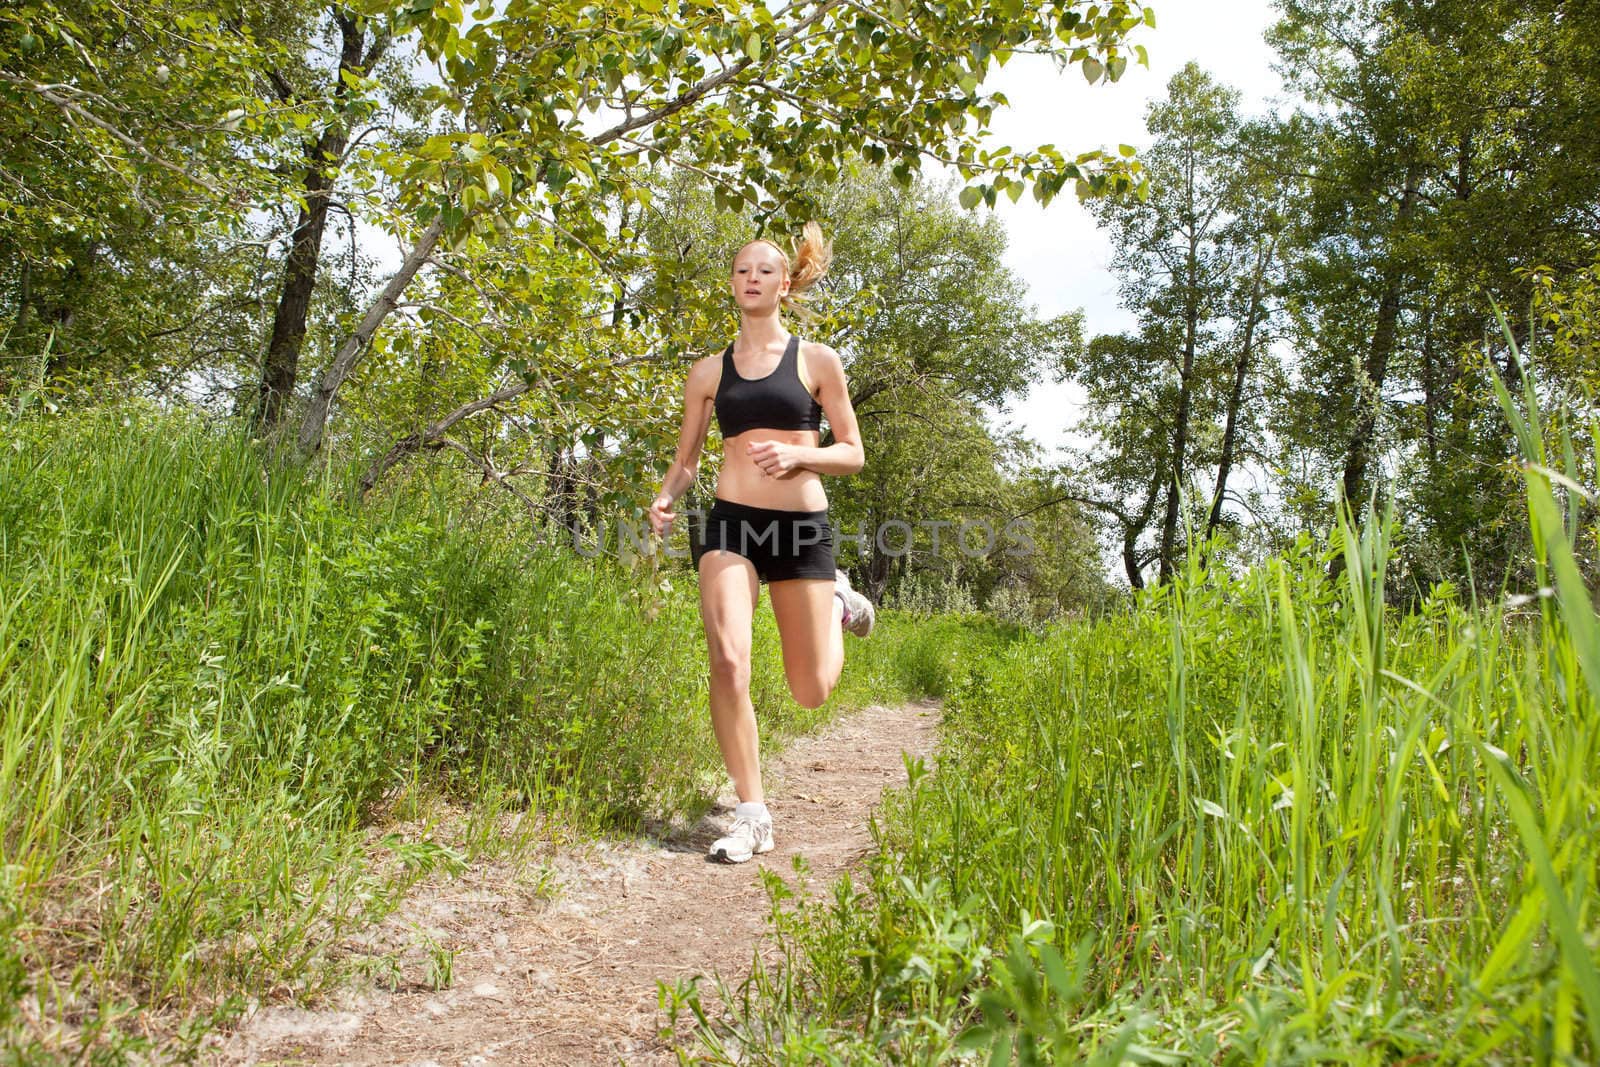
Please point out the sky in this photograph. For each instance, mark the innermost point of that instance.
(1057, 250)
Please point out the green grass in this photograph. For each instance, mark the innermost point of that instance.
(219, 683)
(1261, 819)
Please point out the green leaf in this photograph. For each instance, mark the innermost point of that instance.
(436, 148)
(1093, 69)
(970, 197)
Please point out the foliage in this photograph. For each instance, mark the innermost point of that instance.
(156, 155)
(922, 594)
(1450, 150)
(1310, 288)
(559, 113)
(1568, 312)
(123, 115)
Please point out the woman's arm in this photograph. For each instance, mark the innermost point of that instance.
(841, 457)
(697, 394)
(845, 455)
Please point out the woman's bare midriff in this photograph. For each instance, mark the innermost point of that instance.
(741, 481)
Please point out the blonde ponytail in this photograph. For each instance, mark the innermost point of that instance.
(812, 257)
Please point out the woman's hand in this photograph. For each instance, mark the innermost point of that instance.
(776, 458)
(661, 515)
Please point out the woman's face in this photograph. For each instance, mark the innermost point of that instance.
(760, 277)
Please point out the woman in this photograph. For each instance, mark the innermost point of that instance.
(769, 520)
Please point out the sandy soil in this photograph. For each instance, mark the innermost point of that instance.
(559, 966)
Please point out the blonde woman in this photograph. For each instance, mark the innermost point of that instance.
(769, 519)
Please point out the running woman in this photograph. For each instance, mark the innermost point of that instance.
(769, 519)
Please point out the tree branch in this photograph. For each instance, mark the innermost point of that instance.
(712, 83)
(71, 109)
(1101, 505)
(433, 435)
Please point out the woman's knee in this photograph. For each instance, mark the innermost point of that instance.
(810, 691)
(729, 663)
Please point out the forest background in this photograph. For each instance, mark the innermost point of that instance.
(1306, 285)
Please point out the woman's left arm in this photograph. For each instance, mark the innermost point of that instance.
(845, 455)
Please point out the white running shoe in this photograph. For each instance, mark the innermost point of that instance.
(859, 614)
(750, 833)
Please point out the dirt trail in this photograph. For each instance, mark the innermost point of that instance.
(569, 976)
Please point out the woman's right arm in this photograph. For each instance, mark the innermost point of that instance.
(698, 392)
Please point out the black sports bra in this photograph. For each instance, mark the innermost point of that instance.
(779, 401)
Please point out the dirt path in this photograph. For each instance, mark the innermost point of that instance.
(566, 973)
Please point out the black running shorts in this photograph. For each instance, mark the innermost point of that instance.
(782, 544)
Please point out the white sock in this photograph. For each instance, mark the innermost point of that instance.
(844, 613)
(752, 809)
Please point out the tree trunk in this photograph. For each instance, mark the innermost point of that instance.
(1430, 393)
(19, 329)
(24, 298)
(30, 375)
(593, 475)
(1130, 558)
(552, 488)
(281, 364)
(63, 356)
(1132, 530)
(559, 488)
(877, 569)
(1180, 427)
(1241, 371)
(344, 361)
(1369, 392)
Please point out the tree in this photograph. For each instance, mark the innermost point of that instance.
(131, 154)
(1454, 144)
(1178, 256)
(1266, 155)
(1130, 398)
(346, 100)
(559, 104)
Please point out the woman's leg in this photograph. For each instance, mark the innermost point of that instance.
(729, 590)
(813, 644)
